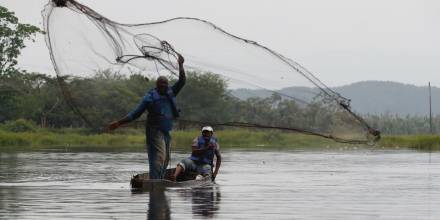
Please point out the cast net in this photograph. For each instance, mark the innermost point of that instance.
(231, 81)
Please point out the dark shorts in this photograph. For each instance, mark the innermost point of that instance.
(191, 166)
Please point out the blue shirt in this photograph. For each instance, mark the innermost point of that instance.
(166, 123)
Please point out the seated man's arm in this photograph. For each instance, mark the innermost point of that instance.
(217, 163)
(196, 151)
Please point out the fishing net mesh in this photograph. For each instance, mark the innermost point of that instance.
(84, 44)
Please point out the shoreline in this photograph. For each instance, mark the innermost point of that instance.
(134, 140)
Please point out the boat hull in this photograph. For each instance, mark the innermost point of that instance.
(144, 183)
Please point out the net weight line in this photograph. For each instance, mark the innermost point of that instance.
(259, 126)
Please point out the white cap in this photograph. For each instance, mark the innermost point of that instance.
(207, 128)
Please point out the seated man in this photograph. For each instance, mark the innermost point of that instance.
(201, 161)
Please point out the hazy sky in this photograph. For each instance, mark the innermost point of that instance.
(341, 41)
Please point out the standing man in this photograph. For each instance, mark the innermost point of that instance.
(160, 103)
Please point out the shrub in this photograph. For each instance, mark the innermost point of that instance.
(9, 139)
(20, 125)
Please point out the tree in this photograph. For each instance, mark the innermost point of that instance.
(30, 96)
(203, 98)
(12, 37)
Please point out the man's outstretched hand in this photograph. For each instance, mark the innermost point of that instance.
(112, 126)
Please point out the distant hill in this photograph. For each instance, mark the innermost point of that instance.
(371, 97)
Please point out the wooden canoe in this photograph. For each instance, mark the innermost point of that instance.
(144, 183)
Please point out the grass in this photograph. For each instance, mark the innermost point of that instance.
(134, 140)
(417, 142)
(44, 139)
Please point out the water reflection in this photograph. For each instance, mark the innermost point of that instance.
(205, 202)
(9, 164)
(302, 185)
(158, 205)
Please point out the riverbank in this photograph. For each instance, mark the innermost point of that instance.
(134, 140)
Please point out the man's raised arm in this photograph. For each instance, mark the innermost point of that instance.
(182, 76)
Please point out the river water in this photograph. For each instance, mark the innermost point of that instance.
(319, 184)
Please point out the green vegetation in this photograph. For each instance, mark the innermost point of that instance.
(409, 125)
(13, 35)
(134, 139)
(66, 139)
(417, 142)
(20, 125)
(108, 96)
